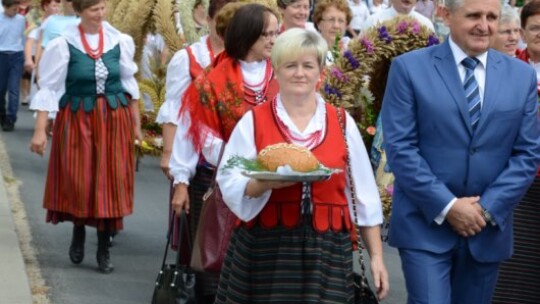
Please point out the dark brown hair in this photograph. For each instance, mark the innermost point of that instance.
(10, 3)
(530, 9)
(81, 5)
(44, 3)
(215, 5)
(245, 29)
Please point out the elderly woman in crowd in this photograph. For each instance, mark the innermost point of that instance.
(295, 13)
(284, 249)
(519, 277)
(331, 18)
(507, 37)
(88, 77)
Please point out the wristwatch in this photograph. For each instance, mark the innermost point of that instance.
(487, 217)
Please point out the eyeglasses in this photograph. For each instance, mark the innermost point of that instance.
(334, 20)
(270, 34)
(535, 29)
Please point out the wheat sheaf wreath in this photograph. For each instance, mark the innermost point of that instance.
(358, 77)
(357, 81)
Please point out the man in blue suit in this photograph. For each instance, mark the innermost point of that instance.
(462, 138)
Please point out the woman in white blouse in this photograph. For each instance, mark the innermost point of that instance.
(295, 240)
(87, 75)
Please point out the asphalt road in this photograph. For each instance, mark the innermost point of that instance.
(137, 250)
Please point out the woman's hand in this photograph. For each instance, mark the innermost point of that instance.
(180, 199)
(380, 276)
(38, 143)
(256, 188)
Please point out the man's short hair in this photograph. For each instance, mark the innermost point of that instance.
(10, 3)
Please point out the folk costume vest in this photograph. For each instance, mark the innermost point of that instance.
(330, 207)
(81, 91)
(219, 100)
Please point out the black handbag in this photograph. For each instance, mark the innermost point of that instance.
(175, 283)
(363, 294)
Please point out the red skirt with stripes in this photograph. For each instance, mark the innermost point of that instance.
(91, 167)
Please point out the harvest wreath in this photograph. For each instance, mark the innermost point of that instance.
(357, 80)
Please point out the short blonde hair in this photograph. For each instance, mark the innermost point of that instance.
(295, 42)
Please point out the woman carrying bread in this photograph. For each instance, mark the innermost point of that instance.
(287, 247)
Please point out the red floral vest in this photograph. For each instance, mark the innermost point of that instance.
(330, 207)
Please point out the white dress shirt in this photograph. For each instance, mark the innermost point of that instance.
(390, 13)
(480, 75)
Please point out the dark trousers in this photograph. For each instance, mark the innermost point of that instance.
(11, 68)
(452, 277)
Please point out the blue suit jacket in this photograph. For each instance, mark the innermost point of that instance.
(435, 155)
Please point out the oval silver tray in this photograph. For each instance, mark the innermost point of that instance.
(297, 177)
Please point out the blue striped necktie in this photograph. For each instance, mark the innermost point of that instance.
(472, 92)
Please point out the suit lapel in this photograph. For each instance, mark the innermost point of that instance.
(446, 67)
(491, 88)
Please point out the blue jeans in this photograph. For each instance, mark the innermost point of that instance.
(11, 68)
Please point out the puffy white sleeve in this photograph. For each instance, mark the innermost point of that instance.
(231, 182)
(178, 79)
(184, 158)
(128, 68)
(368, 201)
(53, 68)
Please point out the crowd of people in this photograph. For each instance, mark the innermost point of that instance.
(461, 135)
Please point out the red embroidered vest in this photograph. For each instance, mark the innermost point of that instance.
(330, 206)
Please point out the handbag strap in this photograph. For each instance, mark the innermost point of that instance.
(213, 182)
(181, 226)
(340, 113)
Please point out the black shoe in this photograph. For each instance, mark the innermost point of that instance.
(8, 126)
(103, 256)
(76, 250)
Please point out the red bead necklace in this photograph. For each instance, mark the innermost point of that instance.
(253, 96)
(308, 142)
(92, 53)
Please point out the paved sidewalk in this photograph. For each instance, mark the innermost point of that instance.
(14, 286)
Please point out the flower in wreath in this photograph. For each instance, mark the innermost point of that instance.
(364, 66)
(357, 81)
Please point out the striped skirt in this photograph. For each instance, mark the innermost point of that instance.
(282, 265)
(519, 277)
(91, 167)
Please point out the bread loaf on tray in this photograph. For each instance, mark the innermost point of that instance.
(300, 159)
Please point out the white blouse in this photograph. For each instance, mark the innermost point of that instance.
(184, 158)
(53, 65)
(233, 183)
(178, 79)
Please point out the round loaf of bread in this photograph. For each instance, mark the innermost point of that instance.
(300, 159)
